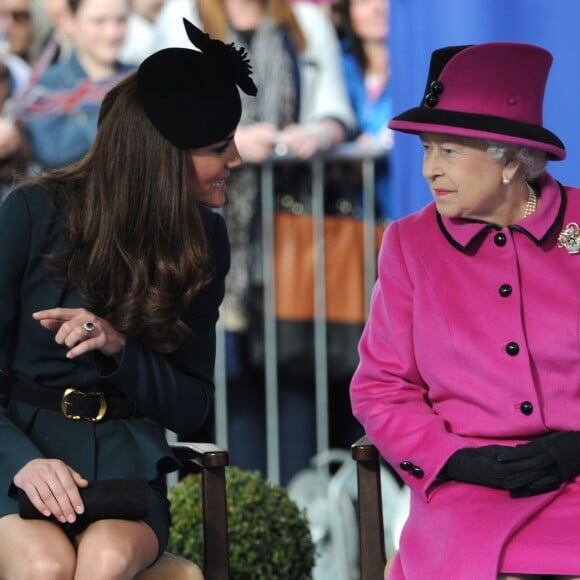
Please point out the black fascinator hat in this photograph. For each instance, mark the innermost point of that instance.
(191, 96)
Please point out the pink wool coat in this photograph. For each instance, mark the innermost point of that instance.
(474, 339)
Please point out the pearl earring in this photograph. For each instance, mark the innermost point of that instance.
(505, 180)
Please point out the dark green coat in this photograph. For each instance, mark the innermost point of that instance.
(172, 391)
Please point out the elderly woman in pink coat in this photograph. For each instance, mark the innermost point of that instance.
(469, 375)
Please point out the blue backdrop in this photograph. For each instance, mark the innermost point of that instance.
(420, 26)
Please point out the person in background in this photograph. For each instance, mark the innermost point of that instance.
(14, 147)
(15, 150)
(16, 27)
(364, 29)
(14, 74)
(468, 381)
(14, 77)
(111, 276)
(15, 71)
(56, 45)
(326, 5)
(140, 30)
(60, 111)
(302, 108)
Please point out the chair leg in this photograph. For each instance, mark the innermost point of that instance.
(215, 523)
(212, 460)
(370, 511)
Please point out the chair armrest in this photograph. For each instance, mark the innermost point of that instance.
(370, 510)
(212, 460)
(201, 454)
(364, 450)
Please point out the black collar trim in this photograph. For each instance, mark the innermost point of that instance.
(487, 227)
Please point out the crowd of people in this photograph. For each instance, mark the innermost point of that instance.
(59, 58)
(323, 73)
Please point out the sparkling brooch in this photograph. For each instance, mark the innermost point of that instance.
(569, 238)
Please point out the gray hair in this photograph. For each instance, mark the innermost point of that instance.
(533, 161)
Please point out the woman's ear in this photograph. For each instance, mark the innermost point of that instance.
(510, 170)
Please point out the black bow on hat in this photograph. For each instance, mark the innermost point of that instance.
(191, 96)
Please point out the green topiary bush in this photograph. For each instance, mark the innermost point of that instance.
(269, 536)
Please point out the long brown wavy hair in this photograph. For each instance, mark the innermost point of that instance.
(214, 19)
(138, 251)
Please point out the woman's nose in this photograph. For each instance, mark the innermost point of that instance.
(235, 159)
(431, 167)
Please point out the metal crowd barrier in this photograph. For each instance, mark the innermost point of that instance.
(367, 155)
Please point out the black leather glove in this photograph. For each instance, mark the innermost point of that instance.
(564, 450)
(491, 466)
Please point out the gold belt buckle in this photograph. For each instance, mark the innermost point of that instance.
(64, 404)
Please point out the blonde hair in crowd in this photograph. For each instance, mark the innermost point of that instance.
(214, 19)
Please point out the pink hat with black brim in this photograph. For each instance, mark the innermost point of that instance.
(486, 91)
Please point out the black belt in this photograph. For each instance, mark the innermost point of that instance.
(74, 404)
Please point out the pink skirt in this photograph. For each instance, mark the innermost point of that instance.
(549, 542)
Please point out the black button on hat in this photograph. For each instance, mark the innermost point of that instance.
(431, 100)
(527, 408)
(436, 87)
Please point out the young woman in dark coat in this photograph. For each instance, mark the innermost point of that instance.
(111, 275)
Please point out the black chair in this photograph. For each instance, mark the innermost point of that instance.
(212, 461)
(372, 558)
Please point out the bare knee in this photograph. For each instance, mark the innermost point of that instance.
(112, 561)
(46, 566)
(115, 550)
(193, 573)
(170, 566)
(33, 550)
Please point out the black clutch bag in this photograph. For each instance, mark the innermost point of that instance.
(124, 499)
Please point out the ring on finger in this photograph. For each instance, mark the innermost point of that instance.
(89, 326)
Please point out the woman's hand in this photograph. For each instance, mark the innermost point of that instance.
(497, 466)
(53, 488)
(255, 142)
(563, 448)
(72, 330)
(306, 140)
